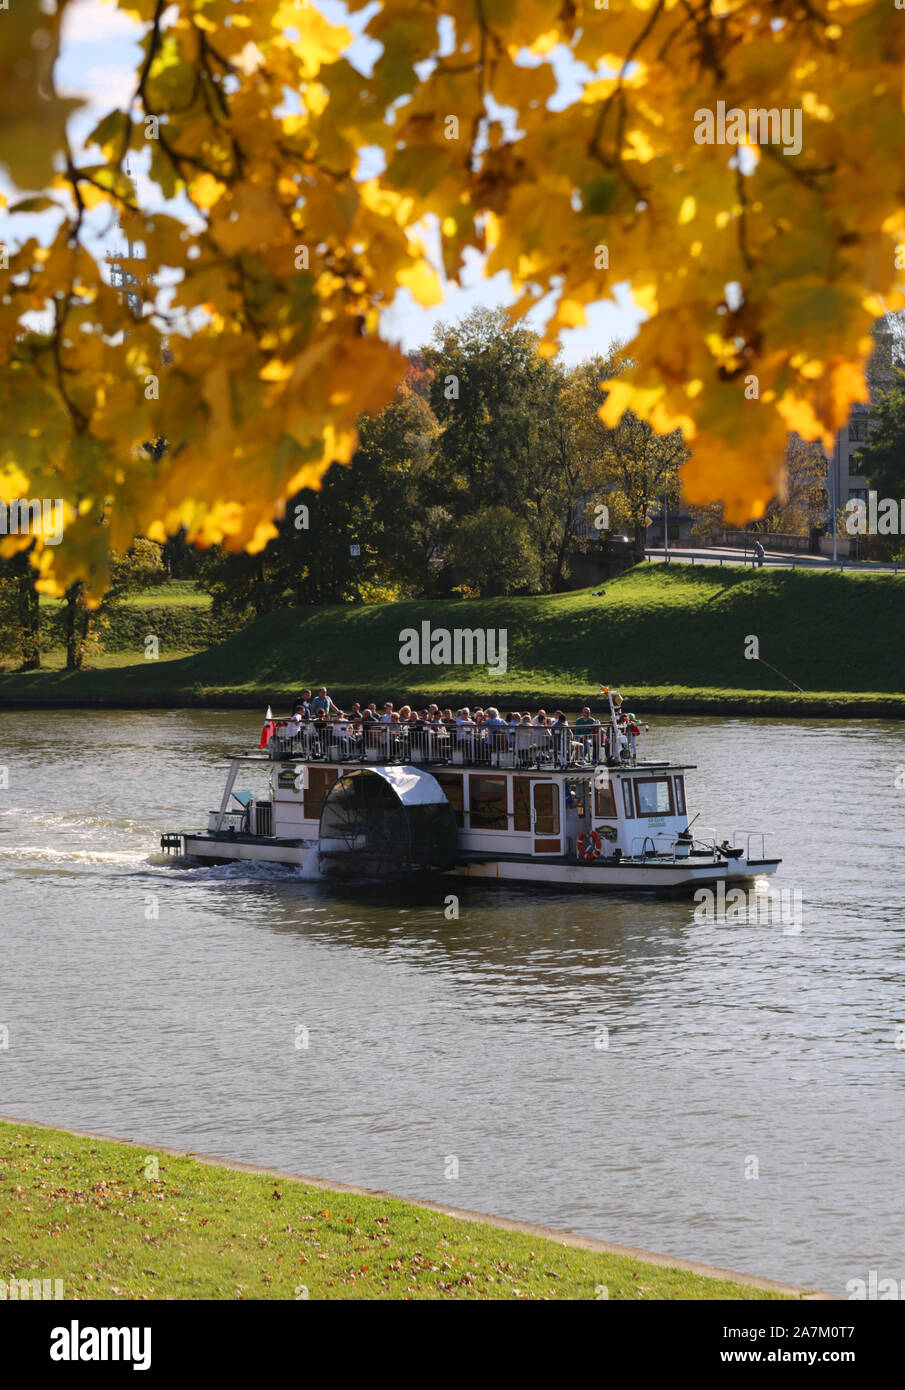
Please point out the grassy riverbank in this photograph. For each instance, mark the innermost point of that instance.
(86, 1211)
(674, 636)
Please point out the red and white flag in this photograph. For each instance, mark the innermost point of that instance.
(268, 729)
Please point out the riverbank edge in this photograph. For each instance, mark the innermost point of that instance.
(560, 1237)
(841, 705)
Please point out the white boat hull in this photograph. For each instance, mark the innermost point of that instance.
(662, 875)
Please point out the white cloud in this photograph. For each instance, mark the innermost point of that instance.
(93, 21)
(104, 86)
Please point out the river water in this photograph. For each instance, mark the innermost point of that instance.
(729, 1092)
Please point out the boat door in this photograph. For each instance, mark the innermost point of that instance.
(546, 817)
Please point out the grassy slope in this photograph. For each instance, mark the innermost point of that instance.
(81, 1210)
(668, 631)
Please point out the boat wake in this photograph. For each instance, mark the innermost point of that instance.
(44, 854)
(239, 870)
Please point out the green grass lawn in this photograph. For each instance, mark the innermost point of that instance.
(173, 593)
(103, 661)
(86, 1212)
(667, 634)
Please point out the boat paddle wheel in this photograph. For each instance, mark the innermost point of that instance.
(386, 822)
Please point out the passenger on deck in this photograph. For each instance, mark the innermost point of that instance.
(465, 731)
(583, 726)
(302, 705)
(293, 725)
(341, 734)
(562, 738)
(322, 705)
(631, 730)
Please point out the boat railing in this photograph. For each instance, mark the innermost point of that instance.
(451, 744)
(749, 836)
(653, 841)
(705, 838)
(235, 821)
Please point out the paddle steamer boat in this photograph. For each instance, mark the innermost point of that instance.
(558, 808)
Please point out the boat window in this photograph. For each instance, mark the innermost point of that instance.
(654, 796)
(627, 800)
(605, 802)
(320, 780)
(680, 796)
(451, 782)
(487, 803)
(521, 788)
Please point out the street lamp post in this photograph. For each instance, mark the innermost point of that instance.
(665, 521)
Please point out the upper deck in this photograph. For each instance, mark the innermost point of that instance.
(516, 746)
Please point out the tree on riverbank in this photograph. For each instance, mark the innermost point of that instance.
(483, 476)
(20, 624)
(882, 460)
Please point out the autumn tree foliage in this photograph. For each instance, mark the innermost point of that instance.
(292, 192)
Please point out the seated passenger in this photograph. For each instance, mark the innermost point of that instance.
(562, 737)
(293, 725)
(341, 733)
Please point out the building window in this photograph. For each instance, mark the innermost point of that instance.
(451, 782)
(487, 803)
(857, 431)
(320, 780)
(605, 802)
(521, 803)
(654, 796)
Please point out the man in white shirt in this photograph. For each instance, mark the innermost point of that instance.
(294, 725)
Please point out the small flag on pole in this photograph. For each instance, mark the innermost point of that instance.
(267, 731)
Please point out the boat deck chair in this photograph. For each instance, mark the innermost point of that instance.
(245, 799)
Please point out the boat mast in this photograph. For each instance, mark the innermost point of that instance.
(609, 694)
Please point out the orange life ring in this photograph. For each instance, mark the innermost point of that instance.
(590, 846)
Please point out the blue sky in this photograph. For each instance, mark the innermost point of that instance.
(98, 57)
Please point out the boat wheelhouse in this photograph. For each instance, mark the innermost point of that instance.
(564, 807)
